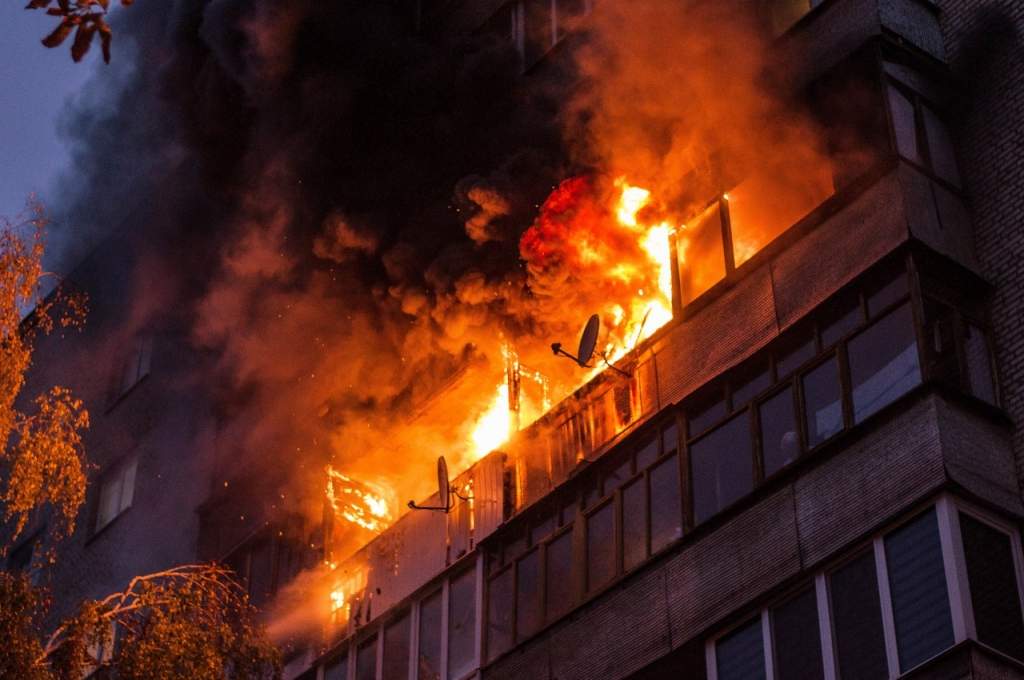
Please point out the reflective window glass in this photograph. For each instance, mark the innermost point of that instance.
(798, 351)
(904, 126)
(499, 614)
(647, 453)
(940, 148)
(337, 670)
(995, 596)
(601, 547)
(796, 639)
(666, 504)
(558, 570)
(429, 659)
(528, 613)
(917, 584)
(634, 524)
(700, 253)
(396, 650)
(822, 402)
(740, 655)
(857, 620)
(722, 467)
(883, 362)
(780, 442)
(366, 660)
(461, 625)
(979, 364)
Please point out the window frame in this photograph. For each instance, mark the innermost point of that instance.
(118, 468)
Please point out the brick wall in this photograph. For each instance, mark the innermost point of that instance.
(985, 47)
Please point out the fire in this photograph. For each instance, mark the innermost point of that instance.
(494, 425)
(361, 503)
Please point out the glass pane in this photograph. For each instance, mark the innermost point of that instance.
(883, 362)
(109, 501)
(601, 547)
(617, 477)
(722, 464)
(366, 660)
(888, 294)
(429, 660)
(396, 650)
(979, 364)
(917, 583)
(337, 670)
(940, 148)
(634, 524)
(765, 205)
(558, 572)
(701, 257)
(745, 390)
(499, 615)
(128, 485)
(797, 639)
(740, 655)
(542, 528)
(779, 440)
(824, 411)
(461, 624)
(993, 580)
(903, 124)
(669, 439)
(857, 619)
(796, 354)
(528, 613)
(841, 319)
(666, 507)
(705, 415)
(647, 454)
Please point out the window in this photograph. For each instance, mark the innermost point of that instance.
(134, 366)
(528, 595)
(558, 576)
(500, 612)
(823, 408)
(634, 524)
(740, 655)
(780, 443)
(722, 467)
(883, 362)
(921, 134)
(917, 585)
(396, 650)
(19, 560)
(796, 639)
(978, 363)
(429, 660)
(666, 503)
(337, 669)
(995, 596)
(461, 625)
(366, 660)
(857, 620)
(600, 546)
(701, 253)
(117, 489)
(798, 350)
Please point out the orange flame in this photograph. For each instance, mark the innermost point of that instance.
(360, 503)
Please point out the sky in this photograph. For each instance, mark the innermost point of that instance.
(35, 84)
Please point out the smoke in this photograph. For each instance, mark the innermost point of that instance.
(347, 209)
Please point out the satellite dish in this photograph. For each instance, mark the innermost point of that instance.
(588, 341)
(443, 488)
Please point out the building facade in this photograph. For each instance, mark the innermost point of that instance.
(813, 471)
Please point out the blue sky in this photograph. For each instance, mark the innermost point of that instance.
(35, 84)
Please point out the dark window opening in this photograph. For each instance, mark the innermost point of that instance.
(995, 596)
(857, 619)
(396, 650)
(883, 362)
(796, 639)
(722, 467)
(740, 655)
(780, 442)
(823, 407)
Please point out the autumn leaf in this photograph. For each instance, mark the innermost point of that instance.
(59, 34)
(83, 40)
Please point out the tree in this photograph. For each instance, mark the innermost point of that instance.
(86, 18)
(42, 461)
(192, 622)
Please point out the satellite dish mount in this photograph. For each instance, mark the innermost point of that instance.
(444, 491)
(588, 342)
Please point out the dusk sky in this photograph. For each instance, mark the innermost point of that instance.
(35, 85)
